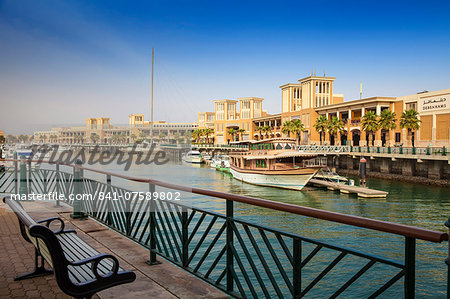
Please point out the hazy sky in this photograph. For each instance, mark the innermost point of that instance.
(63, 61)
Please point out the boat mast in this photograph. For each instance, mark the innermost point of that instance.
(151, 113)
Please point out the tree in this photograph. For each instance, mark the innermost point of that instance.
(2, 139)
(335, 126)
(410, 121)
(260, 129)
(297, 127)
(208, 132)
(142, 136)
(287, 128)
(196, 135)
(23, 138)
(387, 122)
(133, 137)
(267, 129)
(232, 132)
(123, 137)
(11, 139)
(241, 132)
(370, 125)
(321, 126)
(188, 136)
(94, 137)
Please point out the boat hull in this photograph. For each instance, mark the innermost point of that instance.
(193, 160)
(284, 181)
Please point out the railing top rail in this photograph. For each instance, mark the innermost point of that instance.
(357, 221)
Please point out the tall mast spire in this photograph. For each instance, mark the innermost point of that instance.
(151, 113)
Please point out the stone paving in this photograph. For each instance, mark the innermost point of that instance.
(160, 281)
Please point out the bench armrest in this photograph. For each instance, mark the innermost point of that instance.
(50, 220)
(95, 260)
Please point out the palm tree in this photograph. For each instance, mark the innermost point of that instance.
(370, 125)
(142, 136)
(241, 132)
(232, 132)
(410, 121)
(321, 126)
(267, 129)
(133, 137)
(260, 129)
(23, 138)
(196, 135)
(335, 126)
(387, 122)
(94, 137)
(297, 127)
(208, 132)
(11, 139)
(287, 128)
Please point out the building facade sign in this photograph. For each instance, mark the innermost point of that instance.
(434, 103)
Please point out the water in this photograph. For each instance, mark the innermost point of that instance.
(410, 204)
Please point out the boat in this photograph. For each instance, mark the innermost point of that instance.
(220, 160)
(275, 162)
(325, 174)
(193, 156)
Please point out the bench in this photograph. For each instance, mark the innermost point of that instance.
(80, 270)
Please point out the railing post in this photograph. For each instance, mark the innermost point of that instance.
(447, 261)
(153, 260)
(229, 245)
(77, 192)
(128, 216)
(410, 267)
(16, 173)
(29, 176)
(108, 204)
(184, 236)
(58, 187)
(23, 189)
(296, 268)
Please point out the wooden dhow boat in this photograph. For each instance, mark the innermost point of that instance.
(276, 163)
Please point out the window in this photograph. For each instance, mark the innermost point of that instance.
(397, 137)
(261, 163)
(412, 105)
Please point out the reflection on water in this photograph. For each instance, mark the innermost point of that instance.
(410, 204)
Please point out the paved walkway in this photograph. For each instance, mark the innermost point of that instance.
(159, 281)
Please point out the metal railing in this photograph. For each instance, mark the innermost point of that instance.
(399, 150)
(242, 258)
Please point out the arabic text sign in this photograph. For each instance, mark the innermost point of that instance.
(434, 103)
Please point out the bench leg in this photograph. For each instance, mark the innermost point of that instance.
(38, 270)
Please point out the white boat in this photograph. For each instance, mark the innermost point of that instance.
(325, 174)
(274, 163)
(221, 161)
(193, 156)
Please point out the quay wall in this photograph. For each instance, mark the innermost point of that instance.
(431, 172)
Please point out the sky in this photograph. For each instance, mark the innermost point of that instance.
(64, 61)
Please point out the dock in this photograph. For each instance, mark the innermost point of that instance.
(360, 191)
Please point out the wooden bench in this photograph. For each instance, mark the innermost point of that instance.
(79, 269)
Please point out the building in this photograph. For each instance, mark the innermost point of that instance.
(100, 130)
(228, 115)
(314, 96)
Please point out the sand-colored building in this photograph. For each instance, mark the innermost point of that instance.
(100, 130)
(314, 95)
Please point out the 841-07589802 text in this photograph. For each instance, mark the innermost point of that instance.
(134, 195)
